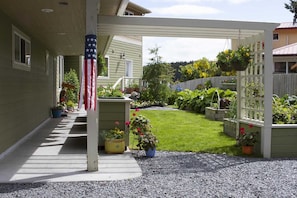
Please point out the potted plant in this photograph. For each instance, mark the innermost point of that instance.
(238, 60)
(114, 140)
(224, 59)
(70, 105)
(140, 126)
(148, 142)
(241, 58)
(247, 140)
(57, 110)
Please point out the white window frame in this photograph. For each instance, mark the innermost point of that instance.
(108, 68)
(130, 68)
(17, 63)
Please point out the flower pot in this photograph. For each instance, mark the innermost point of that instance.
(225, 67)
(150, 152)
(114, 146)
(238, 66)
(56, 113)
(248, 150)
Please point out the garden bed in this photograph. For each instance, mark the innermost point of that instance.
(230, 127)
(212, 113)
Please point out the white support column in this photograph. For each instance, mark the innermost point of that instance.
(268, 92)
(92, 116)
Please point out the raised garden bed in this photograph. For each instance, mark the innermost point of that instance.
(215, 113)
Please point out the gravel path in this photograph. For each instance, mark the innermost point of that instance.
(181, 174)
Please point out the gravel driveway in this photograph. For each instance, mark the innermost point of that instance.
(181, 174)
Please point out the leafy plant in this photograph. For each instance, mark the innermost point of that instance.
(72, 79)
(109, 92)
(140, 126)
(115, 133)
(247, 138)
(158, 74)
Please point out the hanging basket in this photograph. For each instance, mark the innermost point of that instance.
(238, 66)
(225, 67)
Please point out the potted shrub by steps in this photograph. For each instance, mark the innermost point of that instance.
(57, 111)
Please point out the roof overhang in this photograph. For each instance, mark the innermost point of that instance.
(174, 27)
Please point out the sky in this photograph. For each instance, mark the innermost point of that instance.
(190, 49)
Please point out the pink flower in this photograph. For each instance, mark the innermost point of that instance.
(117, 123)
(137, 109)
(127, 123)
(138, 129)
(241, 130)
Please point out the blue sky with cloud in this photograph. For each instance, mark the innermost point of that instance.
(187, 49)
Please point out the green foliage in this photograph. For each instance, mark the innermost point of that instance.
(158, 76)
(292, 7)
(198, 100)
(72, 78)
(102, 67)
(284, 110)
(109, 92)
(201, 68)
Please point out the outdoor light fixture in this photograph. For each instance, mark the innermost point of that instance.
(47, 10)
(122, 55)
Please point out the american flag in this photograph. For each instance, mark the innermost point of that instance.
(90, 72)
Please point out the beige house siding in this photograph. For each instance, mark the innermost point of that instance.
(133, 52)
(25, 96)
(285, 37)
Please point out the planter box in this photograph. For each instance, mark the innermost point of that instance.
(284, 140)
(231, 86)
(110, 111)
(215, 114)
(230, 127)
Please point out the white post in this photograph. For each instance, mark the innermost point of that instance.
(92, 116)
(268, 92)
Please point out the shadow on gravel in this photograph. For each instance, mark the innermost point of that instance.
(8, 188)
(183, 162)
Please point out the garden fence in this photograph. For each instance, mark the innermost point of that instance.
(282, 83)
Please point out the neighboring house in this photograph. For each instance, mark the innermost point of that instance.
(285, 48)
(124, 55)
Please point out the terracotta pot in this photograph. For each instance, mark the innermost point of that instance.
(248, 150)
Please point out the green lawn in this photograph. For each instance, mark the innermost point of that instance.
(186, 131)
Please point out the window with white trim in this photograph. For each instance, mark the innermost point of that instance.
(21, 50)
(103, 70)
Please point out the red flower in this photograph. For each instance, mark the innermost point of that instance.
(127, 123)
(117, 123)
(134, 114)
(137, 109)
(138, 129)
(241, 130)
(251, 125)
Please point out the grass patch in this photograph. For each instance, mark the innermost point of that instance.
(187, 131)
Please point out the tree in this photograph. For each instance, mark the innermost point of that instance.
(158, 75)
(292, 7)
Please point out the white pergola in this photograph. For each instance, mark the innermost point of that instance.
(254, 34)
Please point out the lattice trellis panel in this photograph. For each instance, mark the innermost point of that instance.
(251, 85)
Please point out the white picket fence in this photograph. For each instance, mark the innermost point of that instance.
(282, 83)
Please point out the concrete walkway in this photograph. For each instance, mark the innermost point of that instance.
(56, 152)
